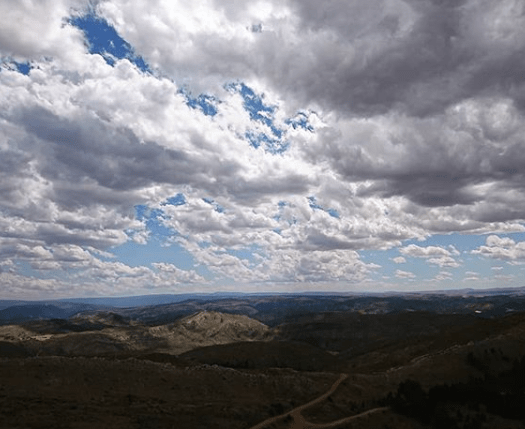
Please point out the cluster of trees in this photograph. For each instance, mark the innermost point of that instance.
(464, 405)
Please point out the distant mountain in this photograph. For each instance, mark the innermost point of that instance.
(41, 310)
(147, 300)
(271, 309)
(10, 303)
(122, 302)
(19, 313)
(104, 318)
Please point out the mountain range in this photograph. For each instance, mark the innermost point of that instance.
(260, 361)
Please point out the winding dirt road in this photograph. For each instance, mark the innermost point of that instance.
(299, 422)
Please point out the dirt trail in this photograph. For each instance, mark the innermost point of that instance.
(299, 422)
(307, 425)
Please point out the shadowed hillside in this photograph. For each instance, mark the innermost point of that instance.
(365, 362)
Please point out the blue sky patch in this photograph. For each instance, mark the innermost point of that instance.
(153, 219)
(177, 200)
(278, 217)
(22, 68)
(104, 40)
(272, 145)
(254, 104)
(136, 255)
(281, 204)
(312, 202)
(333, 213)
(255, 139)
(246, 253)
(462, 242)
(260, 112)
(217, 207)
(207, 104)
(300, 121)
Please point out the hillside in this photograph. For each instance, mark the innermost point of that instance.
(107, 333)
(372, 363)
(208, 328)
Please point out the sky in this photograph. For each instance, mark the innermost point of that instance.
(264, 146)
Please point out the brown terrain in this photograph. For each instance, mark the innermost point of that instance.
(217, 370)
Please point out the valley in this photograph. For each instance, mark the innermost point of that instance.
(301, 361)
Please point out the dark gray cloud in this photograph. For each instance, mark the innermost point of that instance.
(415, 56)
(468, 155)
(114, 158)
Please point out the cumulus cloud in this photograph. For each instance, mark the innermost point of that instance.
(442, 276)
(335, 129)
(445, 261)
(433, 254)
(46, 36)
(471, 278)
(502, 248)
(404, 274)
(363, 58)
(424, 252)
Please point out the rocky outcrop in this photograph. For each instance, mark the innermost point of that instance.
(208, 328)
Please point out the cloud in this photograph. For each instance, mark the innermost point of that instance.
(424, 252)
(31, 31)
(443, 275)
(434, 255)
(439, 163)
(170, 272)
(362, 58)
(404, 274)
(445, 261)
(502, 248)
(334, 129)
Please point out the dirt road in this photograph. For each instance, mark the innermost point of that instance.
(299, 422)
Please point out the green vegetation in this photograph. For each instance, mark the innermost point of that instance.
(465, 405)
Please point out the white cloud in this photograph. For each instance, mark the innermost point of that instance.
(433, 254)
(424, 252)
(443, 276)
(444, 261)
(404, 274)
(502, 248)
(399, 260)
(33, 30)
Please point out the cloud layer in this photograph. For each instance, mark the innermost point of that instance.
(290, 137)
